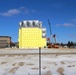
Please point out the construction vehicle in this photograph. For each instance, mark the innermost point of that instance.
(52, 45)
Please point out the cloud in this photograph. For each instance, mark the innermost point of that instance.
(65, 25)
(74, 20)
(10, 12)
(68, 24)
(22, 10)
(34, 10)
(72, 35)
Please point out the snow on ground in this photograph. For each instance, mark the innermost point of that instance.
(29, 65)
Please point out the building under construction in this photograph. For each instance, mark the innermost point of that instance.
(31, 34)
(5, 41)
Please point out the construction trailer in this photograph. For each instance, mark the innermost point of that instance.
(31, 34)
(5, 41)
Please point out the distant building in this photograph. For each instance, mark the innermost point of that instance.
(31, 34)
(5, 41)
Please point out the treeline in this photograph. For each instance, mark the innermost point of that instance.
(70, 44)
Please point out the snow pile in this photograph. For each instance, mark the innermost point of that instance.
(29, 65)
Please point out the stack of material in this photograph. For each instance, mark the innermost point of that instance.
(5, 41)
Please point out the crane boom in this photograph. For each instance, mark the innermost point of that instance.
(50, 27)
(54, 36)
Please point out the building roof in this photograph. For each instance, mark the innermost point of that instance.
(6, 36)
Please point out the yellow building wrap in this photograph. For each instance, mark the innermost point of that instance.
(31, 38)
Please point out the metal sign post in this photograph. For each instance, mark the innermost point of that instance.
(39, 60)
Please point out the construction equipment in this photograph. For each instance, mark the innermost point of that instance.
(51, 44)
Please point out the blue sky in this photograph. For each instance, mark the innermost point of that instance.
(61, 13)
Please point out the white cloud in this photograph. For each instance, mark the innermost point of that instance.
(65, 24)
(74, 20)
(22, 10)
(34, 10)
(10, 12)
(68, 24)
(72, 35)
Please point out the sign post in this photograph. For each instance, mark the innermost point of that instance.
(39, 60)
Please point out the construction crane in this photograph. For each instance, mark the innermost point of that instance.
(50, 30)
(50, 27)
(54, 36)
